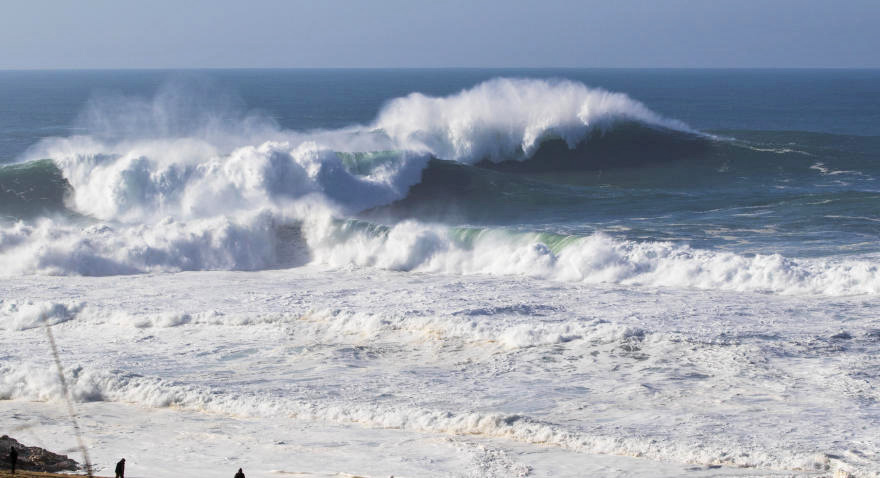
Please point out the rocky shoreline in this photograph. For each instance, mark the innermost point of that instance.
(32, 458)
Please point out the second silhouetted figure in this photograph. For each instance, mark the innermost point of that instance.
(240, 474)
(13, 458)
(120, 469)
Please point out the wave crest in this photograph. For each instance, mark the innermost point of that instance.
(504, 118)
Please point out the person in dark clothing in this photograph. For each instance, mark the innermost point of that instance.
(240, 474)
(120, 469)
(13, 458)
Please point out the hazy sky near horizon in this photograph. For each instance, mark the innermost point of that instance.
(416, 33)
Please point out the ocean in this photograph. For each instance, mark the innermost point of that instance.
(445, 272)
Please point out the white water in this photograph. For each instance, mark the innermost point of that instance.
(523, 367)
(411, 246)
(264, 239)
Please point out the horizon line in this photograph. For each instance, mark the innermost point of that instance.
(252, 68)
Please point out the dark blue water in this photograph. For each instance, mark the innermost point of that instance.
(796, 171)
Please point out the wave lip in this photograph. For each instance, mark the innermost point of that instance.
(505, 118)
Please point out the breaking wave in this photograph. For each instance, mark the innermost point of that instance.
(156, 186)
(509, 119)
(145, 159)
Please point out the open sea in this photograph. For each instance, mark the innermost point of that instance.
(444, 272)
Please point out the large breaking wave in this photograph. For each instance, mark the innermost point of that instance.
(171, 184)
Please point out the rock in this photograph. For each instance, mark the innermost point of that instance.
(35, 458)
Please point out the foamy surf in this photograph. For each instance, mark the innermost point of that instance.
(412, 246)
(264, 241)
(343, 359)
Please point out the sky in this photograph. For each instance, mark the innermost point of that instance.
(52, 34)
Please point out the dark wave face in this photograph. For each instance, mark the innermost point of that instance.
(625, 145)
(32, 189)
(753, 191)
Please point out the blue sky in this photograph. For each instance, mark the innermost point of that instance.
(415, 33)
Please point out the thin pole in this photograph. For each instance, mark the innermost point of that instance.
(67, 399)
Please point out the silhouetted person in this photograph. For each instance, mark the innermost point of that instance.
(240, 474)
(120, 469)
(13, 458)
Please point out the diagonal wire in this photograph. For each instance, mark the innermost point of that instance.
(64, 390)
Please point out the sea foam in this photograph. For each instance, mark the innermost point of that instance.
(86, 385)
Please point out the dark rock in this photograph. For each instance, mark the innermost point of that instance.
(34, 458)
